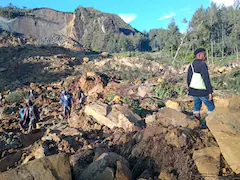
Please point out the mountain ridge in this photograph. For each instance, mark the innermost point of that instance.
(88, 26)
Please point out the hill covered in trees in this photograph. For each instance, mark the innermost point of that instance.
(216, 28)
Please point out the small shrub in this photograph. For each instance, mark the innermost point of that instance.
(189, 58)
(128, 54)
(168, 90)
(127, 100)
(163, 90)
(110, 96)
(149, 56)
(230, 81)
(180, 90)
(16, 96)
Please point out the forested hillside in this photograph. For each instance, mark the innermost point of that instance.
(216, 28)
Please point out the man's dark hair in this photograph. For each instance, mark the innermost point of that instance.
(198, 50)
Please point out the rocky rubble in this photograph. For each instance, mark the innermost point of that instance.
(109, 141)
(52, 167)
(113, 139)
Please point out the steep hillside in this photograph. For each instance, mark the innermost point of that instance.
(87, 26)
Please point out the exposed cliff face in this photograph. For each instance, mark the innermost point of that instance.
(47, 25)
(85, 25)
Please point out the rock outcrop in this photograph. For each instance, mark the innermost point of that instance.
(52, 167)
(167, 116)
(208, 162)
(52, 27)
(224, 124)
(114, 116)
(103, 167)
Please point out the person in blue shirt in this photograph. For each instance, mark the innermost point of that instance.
(29, 116)
(66, 100)
(21, 114)
(203, 94)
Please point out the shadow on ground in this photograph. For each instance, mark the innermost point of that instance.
(25, 64)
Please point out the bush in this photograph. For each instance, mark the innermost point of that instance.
(128, 54)
(164, 90)
(127, 101)
(13, 12)
(230, 81)
(189, 58)
(110, 96)
(168, 90)
(16, 96)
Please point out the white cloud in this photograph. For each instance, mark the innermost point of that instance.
(223, 2)
(128, 17)
(167, 16)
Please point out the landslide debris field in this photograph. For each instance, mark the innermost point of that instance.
(136, 122)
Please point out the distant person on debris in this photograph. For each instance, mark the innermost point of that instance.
(81, 97)
(66, 100)
(21, 114)
(199, 83)
(30, 116)
(31, 94)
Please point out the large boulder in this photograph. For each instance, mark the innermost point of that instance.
(151, 131)
(9, 161)
(123, 172)
(51, 168)
(167, 116)
(232, 102)
(208, 162)
(101, 168)
(80, 160)
(224, 123)
(91, 83)
(81, 121)
(114, 116)
(144, 90)
(30, 138)
(173, 105)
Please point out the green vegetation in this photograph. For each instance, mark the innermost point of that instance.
(228, 82)
(135, 106)
(127, 100)
(128, 54)
(16, 96)
(111, 96)
(168, 90)
(12, 11)
(216, 28)
(130, 74)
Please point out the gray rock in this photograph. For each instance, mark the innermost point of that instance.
(51, 167)
(96, 168)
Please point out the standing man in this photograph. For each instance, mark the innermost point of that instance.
(31, 116)
(31, 94)
(199, 85)
(81, 97)
(67, 101)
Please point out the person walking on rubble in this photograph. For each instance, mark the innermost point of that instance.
(199, 85)
(30, 117)
(31, 94)
(81, 97)
(66, 100)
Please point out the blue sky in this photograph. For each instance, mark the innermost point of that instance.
(140, 14)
